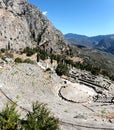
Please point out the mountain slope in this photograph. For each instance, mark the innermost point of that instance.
(106, 44)
(102, 42)
(79, 39)
(22, 25)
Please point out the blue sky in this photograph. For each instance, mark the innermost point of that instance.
(86, 17)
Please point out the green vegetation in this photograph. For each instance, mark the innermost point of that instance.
(39, 118)
(9, 119)
(43, 54)
(6, 54)
(38, 57)
(62, 69)
(30, 51)
(48, 70)
(2, 57)
(18, 60)
(96, 66)
(28, 61)
(3, 50)
(9, 46)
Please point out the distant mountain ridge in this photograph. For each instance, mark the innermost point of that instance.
(78, 39)
(102, 42)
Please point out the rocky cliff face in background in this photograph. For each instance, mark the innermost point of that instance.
(22, 25)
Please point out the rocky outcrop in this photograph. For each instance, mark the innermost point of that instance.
(22, 25)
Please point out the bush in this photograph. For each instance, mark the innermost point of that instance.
(62, 69)
(40, 119)
(9, 119)
(30, 51)
(58, 58)
(18, 60)
(2, 57)
(48, 70)
(43, 55)
(111, 77)
(3, 50)
(28, 61)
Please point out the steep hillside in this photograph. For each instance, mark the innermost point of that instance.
(22, 25)
(106, 44)
(97, 57)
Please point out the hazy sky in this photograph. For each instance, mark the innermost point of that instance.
(87, 17)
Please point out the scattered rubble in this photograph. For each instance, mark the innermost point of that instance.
(99, 84)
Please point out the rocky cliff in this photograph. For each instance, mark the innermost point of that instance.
(22, 25)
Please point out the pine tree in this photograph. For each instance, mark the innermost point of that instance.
(9, 46)
(38, 57)
(40, 119)
(9, 119)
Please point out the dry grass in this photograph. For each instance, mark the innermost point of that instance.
(106, 115)
(77, 59)
(23, 56)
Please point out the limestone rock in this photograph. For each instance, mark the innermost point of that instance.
(22, 25)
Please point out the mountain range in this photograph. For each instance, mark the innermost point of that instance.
(101, 42)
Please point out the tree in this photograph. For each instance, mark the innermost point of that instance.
(58, 58)
(30, 51)
(38, 57)
(18, 60)
(9, 119)
(8, 45)
(43, 55)
(40, 119)
(62, 69)
(51, 59)
(29, 61)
